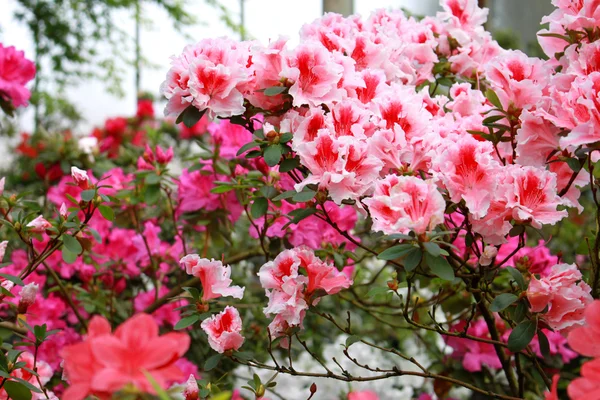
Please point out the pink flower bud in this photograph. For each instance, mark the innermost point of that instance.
(163, 157)
(191, 389)
(3, 245)
(8, 285)
(28, 294)
(80, 177)
(1, 186)
(39, 225)
(489, 252)
(63, 211)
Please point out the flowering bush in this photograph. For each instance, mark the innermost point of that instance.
(391, 209)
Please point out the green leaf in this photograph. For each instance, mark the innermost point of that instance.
(397, 251)
(190, 116)
(544, 344)
(212, 362)
(304, 196)
(187, 321)
(285, 195)
(259, 207)
(17, 391)
(14, 279)
(412, 259)
(222, 189)
(289, 164)
(518, 277)
(519, 312)
(68, 256)
(376, 291)
(268, 191)
(432, 248)
(521, 336)
(286, 137)
(272, 155)
(502, 301)
(88, 195)
(440, 267)
(492, 119)
(72, 244)
(246, 147)
(574, 164)
(274, 90)
(350, 340)
(107, 212)
(152, 179)
(493, 98)
(301, 213)
(152, 194)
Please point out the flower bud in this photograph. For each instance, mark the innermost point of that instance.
(38, 225)
(260, 391)
(63, 211)
(3, 245)
(489, 252)
(28, 294)
(191, 389)
(80, 177)
(1, 186)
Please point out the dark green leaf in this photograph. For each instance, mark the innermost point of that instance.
(285, 195)
(246, 147)
(274, 90)
(304, 196)
(190, 116)
(152, 194)
(440, 267)
(187, 321)
(432, 248)
(212, 362)
(259, 207)
(302, 213)
(88, 195)
(376, 291)
(107, 212)
(544, 345)
(68, 256)
(412, 259)
(222, 189)
(14, 279)
(289, 164)
(502, 301)
(273, 155)
(351, 340)
(397, 251)
(268, 191)
(17, 391)
(521, 336)
(518, 277)
(493, 98)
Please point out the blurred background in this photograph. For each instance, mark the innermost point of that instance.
(96, 55)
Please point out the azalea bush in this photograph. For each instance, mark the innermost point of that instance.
(395, 208)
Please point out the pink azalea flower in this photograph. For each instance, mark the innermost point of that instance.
(215, 277)
(229, 137)
(15, 72)
(2, 180)
(314, 74)
(190, 392)
(212, 75)
(532, 195)
(553, 394)
(474, 355)
(363, 395)
(104, 363)
(565, 295)
(404, 203)
(224, 330)
(469, 171)
(586, 339)
(465, 13)
(588, 386)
